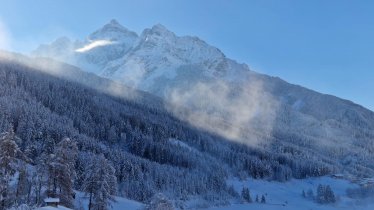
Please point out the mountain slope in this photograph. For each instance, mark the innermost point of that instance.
(44, 101)
(157, 54)
(205, 88)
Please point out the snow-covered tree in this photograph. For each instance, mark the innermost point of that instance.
(310, 194)
(159, 202)
(263, 199)
(325, 194)
(329, 195)
(9, 163)
(65, 157)
(320, 193)
(100, 183)
(246, 195)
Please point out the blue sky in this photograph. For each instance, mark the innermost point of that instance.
(325, 45)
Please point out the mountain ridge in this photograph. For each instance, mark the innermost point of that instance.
(155, 48)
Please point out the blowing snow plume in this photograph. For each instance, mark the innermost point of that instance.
(71, 73)
(244, 113)
(94, 44)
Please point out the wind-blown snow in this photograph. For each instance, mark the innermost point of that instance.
(94, 44)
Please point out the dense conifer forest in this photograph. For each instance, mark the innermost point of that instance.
(64, 136)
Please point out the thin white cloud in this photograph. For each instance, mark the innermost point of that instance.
(245, 114)
(4, 36)
(94, 44)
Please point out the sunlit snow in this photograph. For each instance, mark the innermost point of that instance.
(94, 44)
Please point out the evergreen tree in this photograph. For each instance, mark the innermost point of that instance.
(65, 158)
(9, 162)
(246, 195)
(263, 199)
(159, 202)
(47, 174)
(23, 183)
(329, 195)
(100, 183)
(310, 194)
(320, 194)
(325, 194)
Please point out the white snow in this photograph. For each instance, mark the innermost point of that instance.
(288, 196)
(119, 204)
(52, 200)
(94, 44)
(115, 52)
(182, 144)
(53, 208)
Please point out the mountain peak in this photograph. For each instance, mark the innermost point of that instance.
(62, 40)
(114, 22)
(160, 30)
(159, 27)
(113, 31)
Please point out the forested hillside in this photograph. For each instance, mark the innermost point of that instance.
(67, 133)
(204, 87)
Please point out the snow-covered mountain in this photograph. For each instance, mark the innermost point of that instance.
(227, 97)
(150, 62)
(94, 53)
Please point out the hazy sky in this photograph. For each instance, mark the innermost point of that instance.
(324, 45)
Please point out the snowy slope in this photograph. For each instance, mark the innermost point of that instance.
(93, 53)
(119, 204)
(279, 195)
(53, 208)
(288, 196)
(143, 62)
(226, 97)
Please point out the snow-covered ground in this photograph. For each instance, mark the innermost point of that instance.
(288, 195)
(119, 204)
(53, 208)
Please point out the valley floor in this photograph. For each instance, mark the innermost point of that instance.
(120, 204)
(287, 196)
